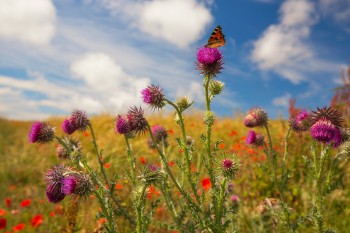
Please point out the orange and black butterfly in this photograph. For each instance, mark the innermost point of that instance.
(216, 39)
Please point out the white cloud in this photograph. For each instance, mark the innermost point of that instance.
(180, 22)
(27, 21)
(283, 47)
(338, 10)
(282, 101)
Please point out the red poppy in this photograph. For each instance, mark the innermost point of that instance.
(2, 212)
(52, 213)
(171, 163)
(206, 184)
(37, 220)
(12, 187)
(193, 168)
(159, 211)
(107, 165)
(19, 227)
(102, 220)
(142, 160)
(221, 145)
(170, 131)
(2, 223)
(25, 203)
(181, 150)
(118, 186)
(150, 191)
(233, 133)
(8, 202)
(86, 134)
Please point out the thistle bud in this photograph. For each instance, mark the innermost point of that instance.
(255, 139)
(216, 87)
(209, 118)
(256, 117)
(183, 103)
(73, 146)
(151, 174)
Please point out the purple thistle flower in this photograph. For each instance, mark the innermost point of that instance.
(159, 133)
(251, 137)
(209, 61)
(41, 132)
(122, 125)
(153, 96)
(137, 121)
(325, 125)
(301, 122)
(323, 131)
(207, 55)
(54, 178)
(68, 127)
(69, 185)
(337, 139)
(256, 117)
(234, 198)
(227, 164)
(54, 194)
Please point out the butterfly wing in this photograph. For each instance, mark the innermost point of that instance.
(217, 38)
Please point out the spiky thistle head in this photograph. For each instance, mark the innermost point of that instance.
(228, 166)
(254, 139)
(73, 147)
(325, 125)
(159, 133)
(138, 122)
(77, 121)
(209, 61)
(216, 87)
(53, 179)
(301, 122)
(153, 96)
(76, 183)
(41, 132)
(151, 174)
(183, 103)
(256, 117)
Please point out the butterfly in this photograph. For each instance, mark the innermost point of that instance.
(216, 39)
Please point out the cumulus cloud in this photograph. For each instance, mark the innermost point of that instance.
(338, 10)
(283, 47)
(100, 85)
(282, 101)
(27, 21)
(164, 19)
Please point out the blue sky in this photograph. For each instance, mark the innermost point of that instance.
(97, 55)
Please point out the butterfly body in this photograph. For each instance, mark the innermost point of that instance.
(216, 39)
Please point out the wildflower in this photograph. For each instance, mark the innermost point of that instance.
(230, 187)
(209, 61)
(229, 167)
(183, 103)
(107, 165)
(216, 87)
(209, 118)
(254, 139)
(2, 212)
(118, 186)
(300, 122)
(122, 125)
(54, 178)
(41, 132)
(325, 124)
(68, 185)
(206, 184)
(8, 202)
(234, 198)
(151, 174)
(256, 117)
(159, 133)
(137, 121)
(345, 148)
(73, 146)
(3, 223)
(142, 160)
(153, 96)
(25, 203)
(19, 227)
(77, 121)
(37, 220)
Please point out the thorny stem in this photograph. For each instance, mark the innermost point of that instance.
(198, 210)
(131, 160)
(99, 156)
(208, 145)
(139, 208)
(170, 205)
(187, 156)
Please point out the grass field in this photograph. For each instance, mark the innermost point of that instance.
(23, 165)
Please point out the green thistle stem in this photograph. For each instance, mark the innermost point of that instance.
(131, 160)
(139, 210)
(187, 156)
